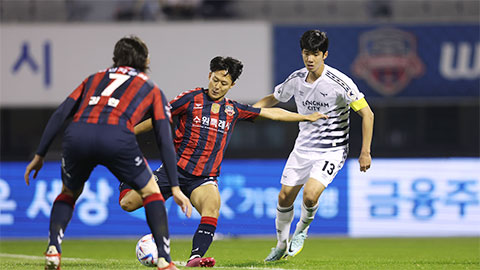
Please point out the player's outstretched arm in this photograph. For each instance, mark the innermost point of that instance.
(143, 127)
(182, 201)
(266, 102)
(35, 165)
(365, 158)
(279, 114)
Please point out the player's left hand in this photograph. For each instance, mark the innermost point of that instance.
(365, 161)
(315, 116)
(35, 165)
(182, 201)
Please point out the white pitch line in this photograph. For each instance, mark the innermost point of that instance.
(30, 257)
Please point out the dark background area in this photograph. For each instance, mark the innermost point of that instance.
(402, 129)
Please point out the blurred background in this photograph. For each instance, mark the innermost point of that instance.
(417, 62)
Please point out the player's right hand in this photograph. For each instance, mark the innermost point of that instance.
(35, 165)
(315, 116)
(182, 201)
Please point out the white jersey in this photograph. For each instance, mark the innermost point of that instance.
(331, 94)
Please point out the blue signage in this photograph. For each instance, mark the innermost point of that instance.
(394, 60)
(415, 197)
(396, 197)
(249, 190)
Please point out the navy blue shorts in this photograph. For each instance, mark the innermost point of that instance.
(87, 145)
(186, 181)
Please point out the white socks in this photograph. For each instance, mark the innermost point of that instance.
(282, 223)
(307, 216)
(284, 220)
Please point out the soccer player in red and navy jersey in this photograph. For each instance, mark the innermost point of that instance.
(206, 119)
(105, 109)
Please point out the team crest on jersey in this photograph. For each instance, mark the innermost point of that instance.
(229, 110)
(388, 60)
(215, 108)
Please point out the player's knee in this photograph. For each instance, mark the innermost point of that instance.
(310, 199)
(309, 202)
(126, 205)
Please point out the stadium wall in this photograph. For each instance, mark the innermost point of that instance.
(396, 198)
(42, 64)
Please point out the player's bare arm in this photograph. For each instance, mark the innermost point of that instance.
(266, 102)
(144, 126)
(280, 114)
(365, 158)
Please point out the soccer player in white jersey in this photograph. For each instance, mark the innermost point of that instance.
(321, 147)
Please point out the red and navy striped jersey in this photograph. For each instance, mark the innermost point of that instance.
(118, 96)
(204, 129)
(114, 96)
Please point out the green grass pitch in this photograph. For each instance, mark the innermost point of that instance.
(318, 253)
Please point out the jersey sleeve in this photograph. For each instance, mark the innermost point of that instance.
(181, 102)
(64, 111)
(247, 112)
(284, 91)
(163, 133)
(161, 108)
(354, 97)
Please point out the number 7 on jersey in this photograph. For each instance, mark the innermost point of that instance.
(118, 79)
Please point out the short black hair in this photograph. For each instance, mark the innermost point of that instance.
(314, 40)
(233, 66)
(131, 51)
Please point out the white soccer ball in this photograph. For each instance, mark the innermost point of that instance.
(146, 249)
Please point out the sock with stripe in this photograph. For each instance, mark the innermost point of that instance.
(282, 224)
(158, 223)
(307, 216)
(60, 216)
(203, 236)
(124, 189)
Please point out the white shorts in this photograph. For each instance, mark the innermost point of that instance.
(322, 166)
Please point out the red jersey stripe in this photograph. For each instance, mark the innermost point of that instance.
(159, 112)
(194, 135)
(181, 109)
(97, 109)
(125, 100)
(179, 132)
(77, 93)
(89, 92)
(140, 111)
(209, 145)
(219, 157)
(183, 94)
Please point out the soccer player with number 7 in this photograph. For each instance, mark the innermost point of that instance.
(321, 147)
(105, 108)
